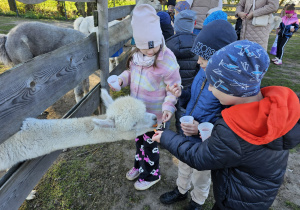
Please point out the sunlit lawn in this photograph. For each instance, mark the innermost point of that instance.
(287, 74)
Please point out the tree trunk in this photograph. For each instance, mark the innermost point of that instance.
(80, 8)
(91, 6)
(12, 5)
(60, 8)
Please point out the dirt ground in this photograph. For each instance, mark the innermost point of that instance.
(105, 186)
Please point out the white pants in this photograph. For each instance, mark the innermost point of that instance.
(200, 179)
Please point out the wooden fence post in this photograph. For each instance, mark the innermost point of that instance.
(103, 43)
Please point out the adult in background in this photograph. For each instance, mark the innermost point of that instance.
(171, 9)
(244, 10)
(202, 9)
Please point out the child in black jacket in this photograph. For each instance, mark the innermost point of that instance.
(249, 146)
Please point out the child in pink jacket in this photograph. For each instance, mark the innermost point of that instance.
(152, 66)
(288, 26)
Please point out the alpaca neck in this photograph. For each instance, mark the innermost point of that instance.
(40, 137)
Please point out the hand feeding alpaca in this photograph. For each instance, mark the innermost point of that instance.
(28, 40)
(126, 118)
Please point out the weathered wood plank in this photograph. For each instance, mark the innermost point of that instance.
(114, 32)
(28, 89)
(119, 12)
(15, 190)
(115, 48)
(103, 43)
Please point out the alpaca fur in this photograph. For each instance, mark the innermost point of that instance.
(28, 40)
(126, 118)
(275, 22)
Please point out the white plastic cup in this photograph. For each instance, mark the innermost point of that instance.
(205, 130)
(114, 82)
(187, 119)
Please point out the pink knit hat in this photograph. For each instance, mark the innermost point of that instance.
(145, 24)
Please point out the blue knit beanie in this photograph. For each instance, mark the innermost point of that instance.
(213, 37)
(185, 21)
(164, 17)
(217, 15)
(238, 68)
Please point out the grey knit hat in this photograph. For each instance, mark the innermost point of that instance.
(185, 21)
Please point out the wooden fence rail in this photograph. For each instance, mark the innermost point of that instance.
(28, 89)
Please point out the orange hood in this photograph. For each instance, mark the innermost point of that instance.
(266, 120)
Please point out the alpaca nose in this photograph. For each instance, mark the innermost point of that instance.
(154, 117)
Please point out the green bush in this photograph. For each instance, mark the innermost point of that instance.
(48, 9)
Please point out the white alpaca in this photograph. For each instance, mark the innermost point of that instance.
(28, 40)
(86, 26)
(126, 118)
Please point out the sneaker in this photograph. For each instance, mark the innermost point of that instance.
(144, 185)
(193, 206)
(172, 196)
(275, 59)
(278, 62)
(132, 174)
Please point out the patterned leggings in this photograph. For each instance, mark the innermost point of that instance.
(147, 157)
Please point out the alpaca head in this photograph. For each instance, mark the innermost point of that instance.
(126, 114)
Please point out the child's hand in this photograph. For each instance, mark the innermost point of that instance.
(190, 129)
(166, 115)
(292, 29)
(156, 137)
(174, 89)
(120, 83)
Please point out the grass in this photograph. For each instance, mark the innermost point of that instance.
(292, 205)
(48, 9)
(287, 74)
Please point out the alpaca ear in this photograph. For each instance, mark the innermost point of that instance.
(104, 123)
(107, 99)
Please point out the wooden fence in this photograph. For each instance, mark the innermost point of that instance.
(30, 88)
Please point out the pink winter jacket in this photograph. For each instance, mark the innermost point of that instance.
(149, 83)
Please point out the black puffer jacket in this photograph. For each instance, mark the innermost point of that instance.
(181, 44)
(167, 30)
(245, 175)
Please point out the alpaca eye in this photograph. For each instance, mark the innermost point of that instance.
(135, 124)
